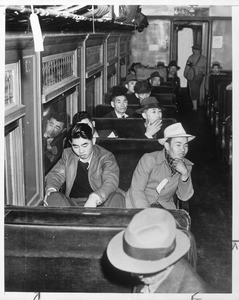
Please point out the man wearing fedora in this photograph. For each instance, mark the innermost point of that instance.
(162, 174)
(196, 62)
(152, 114)
(129, 83)
(152, 249)
(119, 103)
(173, 77)
(155, 79)
(142, 90)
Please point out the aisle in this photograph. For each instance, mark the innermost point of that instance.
(211, 205)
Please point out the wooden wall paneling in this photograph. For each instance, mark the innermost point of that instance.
(31, 96)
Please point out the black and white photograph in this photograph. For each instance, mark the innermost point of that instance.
(120, 140)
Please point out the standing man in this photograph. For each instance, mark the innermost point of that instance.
(196, 63)
(90, 172)
(172, 76)
(152, 114)
(53, 138)
(152, 249)
(162, 174)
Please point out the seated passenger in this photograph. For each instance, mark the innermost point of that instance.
(173, 77)
(53, 138)
(90, 172)
(142, 89)
(130, 82)
(155, 79)
(215, 69)
(120, 103)
(162, 174)
(152, 113)
(134, 67)
(152, 249)
(85, 117)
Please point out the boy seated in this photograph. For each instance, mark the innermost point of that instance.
(119, 103)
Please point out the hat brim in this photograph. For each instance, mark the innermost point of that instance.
(189, 136)
(124, 262)
(178, 68)
(141, 110)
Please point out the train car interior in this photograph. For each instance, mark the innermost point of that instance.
(63, 59)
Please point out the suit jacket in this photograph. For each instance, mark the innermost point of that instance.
(103, 173)
(132, 99)
(182, 279)
(150, 171)
(112, 114)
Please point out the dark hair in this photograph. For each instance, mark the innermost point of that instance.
(81, 115)
(80, 131)
(60, 117)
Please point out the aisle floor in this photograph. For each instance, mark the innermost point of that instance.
(211, 206)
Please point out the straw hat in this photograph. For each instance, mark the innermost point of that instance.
(175, 130)
(150, 243)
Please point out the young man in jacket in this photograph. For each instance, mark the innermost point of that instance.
(90, 172)
(162, 174)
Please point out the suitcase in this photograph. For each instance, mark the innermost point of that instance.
(50, 249)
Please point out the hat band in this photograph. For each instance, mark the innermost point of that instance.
(150, 105)
(148, 253)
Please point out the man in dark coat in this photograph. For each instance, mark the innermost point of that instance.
(119, 103)
(152, 249)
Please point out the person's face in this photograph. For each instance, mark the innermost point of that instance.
(120, 104)
(155, 81)
(130, 86)
(177, 147)
(54, 128)
(215, 69)
(196, 51)
(142, 96)
(82, 147)
(172, 70)
(152, 114)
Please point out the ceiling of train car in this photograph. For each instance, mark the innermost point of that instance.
(77, 18)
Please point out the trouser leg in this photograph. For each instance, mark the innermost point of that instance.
(58, 199)
(115, 200)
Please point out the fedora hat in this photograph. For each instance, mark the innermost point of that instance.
(197, 47)
(150, 102)
(155, 74)
(216, 63)
(173, 64)
(150, 243)
(175, 130)
(142, 86)
(130, 77)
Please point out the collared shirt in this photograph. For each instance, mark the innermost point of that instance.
(87, 161)
(159, 278)
(121, 116)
